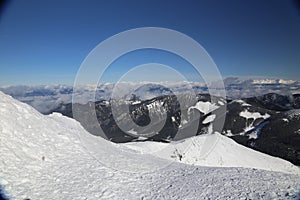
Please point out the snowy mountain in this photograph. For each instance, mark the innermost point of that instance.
(264, 123)
(179, 116)
(53, 157)
(249, 121)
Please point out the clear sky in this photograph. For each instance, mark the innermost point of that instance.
(44, 42)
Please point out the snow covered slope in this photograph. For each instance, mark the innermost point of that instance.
(42, 157)
(224, 153)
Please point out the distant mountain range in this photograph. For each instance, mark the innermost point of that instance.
(45, 98)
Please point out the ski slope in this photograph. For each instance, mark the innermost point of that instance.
(43, 157)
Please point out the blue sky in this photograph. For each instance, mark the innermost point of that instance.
(44, 42)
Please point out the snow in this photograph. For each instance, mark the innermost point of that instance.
(224, 153)
(209, 119)
(132, 132)
(155, 105)
(255, 115)
(273, 81)
(136, 102)
(205, 107)
(293, 113)
(253, 135)
(221, 103)
(228, 133)
(265, 81)
(249, 126)
(44, 157)
(285, 120)
(243, 103)
(282, 81)
(183, 122)
(173, 119)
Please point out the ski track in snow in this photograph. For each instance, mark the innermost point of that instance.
(42, 157)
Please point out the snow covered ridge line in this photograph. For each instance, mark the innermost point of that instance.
(226, 153)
